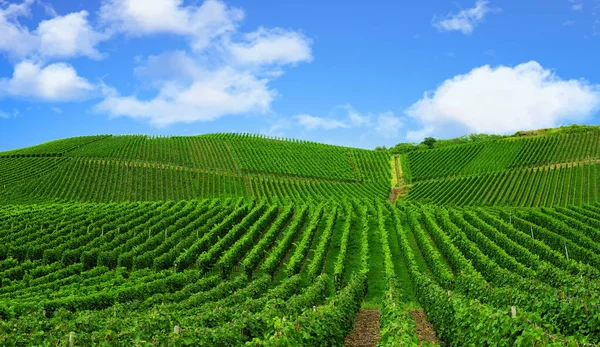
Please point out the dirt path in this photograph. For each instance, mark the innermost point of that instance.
(425, 330)
(399, 188)
(366, 330)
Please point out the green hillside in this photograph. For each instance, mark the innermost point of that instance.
(237, 239)
(130, 168)
(545, 170)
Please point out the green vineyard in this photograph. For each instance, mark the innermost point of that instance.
(237, 239)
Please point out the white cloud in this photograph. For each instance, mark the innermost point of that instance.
(141, 17)
(169, 66)
(274, 46)
(416, 136)
(68, 36)
(388, 125)
(278, 127)
(356, 119)
(57, 110)
(48, 8)
(576, 5)
(568, 23)
(59, 37)
(55, 82)
(225, 72)
(464, 21)
(218, 93)
(15, 39)
(504, 100)
(382, 125)
(311, 122)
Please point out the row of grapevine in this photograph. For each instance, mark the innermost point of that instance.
(549, 186)
(148, 236)
(13, 170)
(53, 148)
(537, 304)
(503, 154)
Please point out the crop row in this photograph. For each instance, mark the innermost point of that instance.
(548, 186)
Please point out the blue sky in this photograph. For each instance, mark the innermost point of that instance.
(357, 73)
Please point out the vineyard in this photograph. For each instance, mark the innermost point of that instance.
(228, 240)
(140, 168)
(557, 170)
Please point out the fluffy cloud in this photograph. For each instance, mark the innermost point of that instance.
(466, 20)
(311, 122)
(160, 69)
(225, 72)
(68, 36)
(275, 46)
(141, 17)
(59, 37)
(55, 82)
(217, 93)
(349, 121)
(15, 39)
(503, 100)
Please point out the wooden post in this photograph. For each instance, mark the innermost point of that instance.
(531, 226)
(513, 311)
(71, 339)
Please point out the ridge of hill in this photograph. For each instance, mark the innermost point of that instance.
(124, 168)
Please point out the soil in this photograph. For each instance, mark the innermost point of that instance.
(401, 188)
(425, 330)
(366, 329)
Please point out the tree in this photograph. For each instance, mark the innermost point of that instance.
(429, 142)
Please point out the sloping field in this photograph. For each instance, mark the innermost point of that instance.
(228, 240)
(131, 168)
(550, 170)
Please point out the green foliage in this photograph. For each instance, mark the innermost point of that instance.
(130, 168)
(296, 238)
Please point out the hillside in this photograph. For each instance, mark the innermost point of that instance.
(545, 170)
(236, 239)
(129, 168)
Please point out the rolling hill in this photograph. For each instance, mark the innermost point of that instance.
(239, 239)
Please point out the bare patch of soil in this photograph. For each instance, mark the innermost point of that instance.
(425, 330)
(366, 330)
